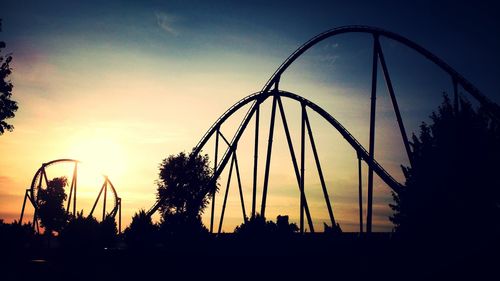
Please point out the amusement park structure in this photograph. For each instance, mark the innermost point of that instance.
(271, 91)
(41, 181)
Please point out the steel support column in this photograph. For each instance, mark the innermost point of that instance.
(238, 177)
(26, 195)
(104, 198)
(302, 168)
(360, 195)
(294, 159)
(35, 221)
(225, 195)
(119, 215)
(268, 159)
(71, 189)
(97, 199)
(320, 171)
(44, 174)
(74, 189)
(215, 182)
(255, 159)
(390, 88)
(372, 136)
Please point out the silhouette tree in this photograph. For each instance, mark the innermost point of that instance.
(7, 105)
(108, 232)
(181, 227)
(258, 227)
(15, 236)
(184, 190)
(335, 229)
(50, 201)
(142, 232)
(81, 232)
(452, 190)
(87, 233)
(284, 227)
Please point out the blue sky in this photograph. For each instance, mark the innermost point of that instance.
(463, 33)
(144, 79)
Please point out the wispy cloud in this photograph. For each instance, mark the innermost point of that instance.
(5, 181)
(165, 22)
(329, 59)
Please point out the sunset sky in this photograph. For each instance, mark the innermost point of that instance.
(121, 85)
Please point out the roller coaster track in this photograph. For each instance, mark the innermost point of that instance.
(271, 89)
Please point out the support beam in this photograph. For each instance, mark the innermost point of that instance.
(45, 177)
(35, 222)
(371, 150)
(225, 195)
(294, 159)
(360, 195)
(268, 159)
(320, 171)
(390, 88)
(40, 181)
(74, 189)
(73, 183)
(97, 199)
(215, 182)
(26, 195)
(119, 215)
(255, 159)
(70, 196)
(238, 177)
(30, 197)
(104, 199)
(225, 140)
(302, 169)
(236, 137)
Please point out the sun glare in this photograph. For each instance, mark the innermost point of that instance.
(102, 154)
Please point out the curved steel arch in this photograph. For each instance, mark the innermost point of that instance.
(257, 99)
(39, 172)
(40, 176)
(223, 117)
(457, 78)
(271, 89)
(376, 32)
(260, 97)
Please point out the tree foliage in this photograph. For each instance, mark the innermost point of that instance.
(181, 227)
(142, 232)
(15, 235)
(453, 189)
(184, 190)
(7, 105)
(258, 227)
(87, 233)
(108, 232)
(334, 229)
(50, 202)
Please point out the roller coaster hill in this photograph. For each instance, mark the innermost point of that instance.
(271, 92)
(226, 161)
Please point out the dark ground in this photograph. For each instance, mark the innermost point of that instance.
(309, 257)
